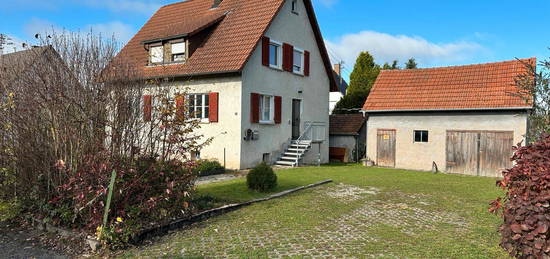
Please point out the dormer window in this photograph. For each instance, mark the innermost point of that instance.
(167, 51)
(156, 54)
(178, 52)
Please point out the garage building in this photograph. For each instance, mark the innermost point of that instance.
(460, 119)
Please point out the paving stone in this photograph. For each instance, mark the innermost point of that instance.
(341, 236)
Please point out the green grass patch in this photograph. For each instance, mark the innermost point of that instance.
(401, 214)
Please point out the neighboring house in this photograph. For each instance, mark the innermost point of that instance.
(335, 96)
(461, 119)
(14, 65)
(257, 72)
(34, 69)
(347, 137)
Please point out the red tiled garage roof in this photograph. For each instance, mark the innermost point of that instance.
(240, 26)
(346, 124)
(482, 86)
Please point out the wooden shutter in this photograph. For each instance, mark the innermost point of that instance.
(265, 51)
(288, 55)
(213, 103)
(306, 63)
(147, 107)
(254, 108)
(180, 107)
(278, 106)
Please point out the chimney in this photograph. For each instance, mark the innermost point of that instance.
(338, 69)
(216, 3)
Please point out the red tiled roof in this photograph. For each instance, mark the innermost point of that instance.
(187, 26)
(346, 124)
(242, 23)
(481, 86)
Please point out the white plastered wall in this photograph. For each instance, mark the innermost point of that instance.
(296, 30)
(420, 156)
(226, 132)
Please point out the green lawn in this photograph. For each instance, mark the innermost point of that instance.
(366, 212)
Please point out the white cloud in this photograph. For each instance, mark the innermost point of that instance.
(386, 48)
(120, 31)
(145, 7)
(39, 26)
(14, 44)
(124, 6)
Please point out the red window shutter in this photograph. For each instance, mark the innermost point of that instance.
(213, 102)
(147, 107)
(278, 106)
(288, 55)
(254, 108)
(265, 51)
(180, 107)
(306, 63)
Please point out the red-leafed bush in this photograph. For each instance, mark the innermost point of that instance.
(146, 191)
(526, 206)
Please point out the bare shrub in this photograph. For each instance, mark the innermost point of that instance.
(69, 107)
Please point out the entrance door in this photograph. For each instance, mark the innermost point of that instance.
(385, 154)
(482, 153)
(296, 114)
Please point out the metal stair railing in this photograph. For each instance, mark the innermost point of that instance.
(307, 131)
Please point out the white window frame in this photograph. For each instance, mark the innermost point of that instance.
(203, 107)
(302, 61)
(152, 56)
(279, 45)
(271, 114)
(422, 140)
(183, 52)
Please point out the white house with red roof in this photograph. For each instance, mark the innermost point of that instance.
(257, 73)
(460, 119)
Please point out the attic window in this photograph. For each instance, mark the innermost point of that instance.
(167, 51)
(178, 52)
(295, 6)
(156, 54)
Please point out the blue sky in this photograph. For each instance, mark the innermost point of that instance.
(436, 33)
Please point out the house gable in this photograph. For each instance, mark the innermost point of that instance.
(312, 91)
(221, 39)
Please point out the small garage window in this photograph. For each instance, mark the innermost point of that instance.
(420, 136)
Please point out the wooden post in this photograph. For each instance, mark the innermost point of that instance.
(108, 204)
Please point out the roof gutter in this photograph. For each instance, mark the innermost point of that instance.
(165, 38)
(456, 109)
(236, 72)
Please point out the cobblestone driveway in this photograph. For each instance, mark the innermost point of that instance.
(336, 233)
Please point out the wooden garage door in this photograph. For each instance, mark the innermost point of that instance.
(385, 154)
(462, 151)
(482, 153)
(495, 151)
